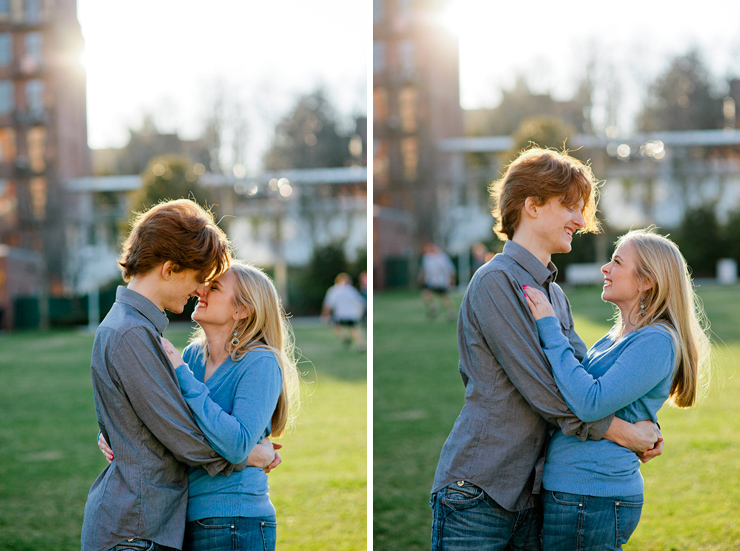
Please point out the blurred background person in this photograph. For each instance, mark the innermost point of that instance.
(437, 275)
(344, 307)
(480, 255)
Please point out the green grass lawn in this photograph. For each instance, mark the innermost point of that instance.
(692, 492)
(49, 456)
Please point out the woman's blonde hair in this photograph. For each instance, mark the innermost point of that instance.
(267, 327)
(672, 303)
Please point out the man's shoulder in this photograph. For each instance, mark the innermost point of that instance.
(499, 267)
(123, 323)
(492, 282)
(555, 288)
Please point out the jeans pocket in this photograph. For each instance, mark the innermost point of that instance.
(564, 498)
(215, 523)
(463, 496)
(627, 514)
(269, 535)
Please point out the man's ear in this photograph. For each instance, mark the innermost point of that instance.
(530, 207)
(166, 270)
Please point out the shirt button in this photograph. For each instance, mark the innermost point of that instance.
(460, 482)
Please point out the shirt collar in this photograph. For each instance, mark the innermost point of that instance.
(541, 274)
(144, 306)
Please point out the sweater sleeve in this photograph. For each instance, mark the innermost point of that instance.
(142, 367)
(643, 363)
(255, 397)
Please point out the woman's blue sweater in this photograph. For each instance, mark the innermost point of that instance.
(630, 377)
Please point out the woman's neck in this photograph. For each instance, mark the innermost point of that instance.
(627, 325)
(217, 337)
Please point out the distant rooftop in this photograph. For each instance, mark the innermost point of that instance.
(496, 144)
(306, 176)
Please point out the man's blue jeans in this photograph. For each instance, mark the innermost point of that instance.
(466, 518)
(580, 523)
(231, 533)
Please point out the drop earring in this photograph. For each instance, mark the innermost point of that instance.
(235, 340)
(642, 306)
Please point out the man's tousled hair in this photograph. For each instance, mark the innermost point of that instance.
(180, 231)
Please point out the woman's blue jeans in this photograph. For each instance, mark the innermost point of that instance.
(584, 523)
(467, 519)
(231, 534)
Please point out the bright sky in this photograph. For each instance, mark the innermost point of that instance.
(166, 57)
(551, 43)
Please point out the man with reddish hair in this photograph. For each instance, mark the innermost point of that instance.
(485, 492)
(139, 500)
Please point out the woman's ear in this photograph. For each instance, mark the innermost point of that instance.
(645, 284)
(243, 312)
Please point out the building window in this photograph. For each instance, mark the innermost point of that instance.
(380, 164)
(38, 197)
(6, 97)
(35, 96)
(36, 149)
(4, 10)
(378, 56)
(407, 65)
(16, 11)
(6, 49)
(33, 11)
(410, 154)
(8, 208)
(7, 145)
(378, 10)
(380, 104)
(408, 101)
(32, 55)
(405, 7)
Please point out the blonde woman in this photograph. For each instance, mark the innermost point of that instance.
(238, 376)
(656, 351)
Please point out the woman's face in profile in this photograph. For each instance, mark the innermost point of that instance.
(621, 284)
(216, 306)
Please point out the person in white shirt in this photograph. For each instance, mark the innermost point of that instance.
(345, 306)
(437, 275)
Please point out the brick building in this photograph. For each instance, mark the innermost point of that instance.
(416, 103)
(43, 129)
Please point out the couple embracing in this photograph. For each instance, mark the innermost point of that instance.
(187, 436)
(545, 453)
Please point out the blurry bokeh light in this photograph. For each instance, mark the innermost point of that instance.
(623, 151)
